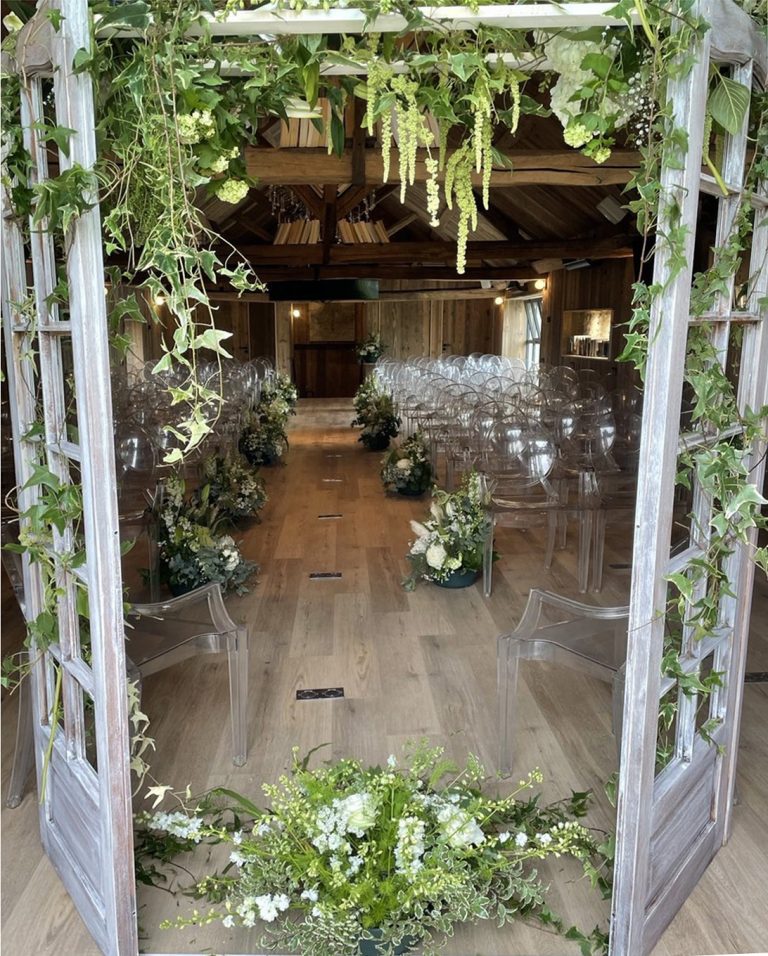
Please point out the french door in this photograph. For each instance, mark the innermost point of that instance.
(59, 382)
(672, 821)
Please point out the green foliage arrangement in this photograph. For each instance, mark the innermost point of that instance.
(371, 349)
(264, 439)
(193, 552)
(376, 414)
(233, 487)
(348, 853)
(452, 539)
(407, 468)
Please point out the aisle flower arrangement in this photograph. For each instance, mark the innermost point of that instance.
(264, 439)
(193, 552)
(397, 854)
(407, 468)
(234, 487)
(371, 349)
(376, 414)
(451, 540)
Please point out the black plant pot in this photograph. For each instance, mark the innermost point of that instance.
(411, 492)
(462, 578)
(377, 443)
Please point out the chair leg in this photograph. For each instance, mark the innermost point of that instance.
(506, 673)
(488, 562)
(585, 543)
(598, 550)
(553, 521)
(237, 655)
(24, 754)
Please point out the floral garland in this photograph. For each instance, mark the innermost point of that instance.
(192, 552)
(348, 853)
(407, 467)
(454, 537)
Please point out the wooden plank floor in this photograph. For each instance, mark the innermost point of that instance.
(420, 664)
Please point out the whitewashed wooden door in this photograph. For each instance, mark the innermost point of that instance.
(671, 823)
(85, 809)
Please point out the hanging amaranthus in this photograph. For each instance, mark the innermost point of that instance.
(458, 185)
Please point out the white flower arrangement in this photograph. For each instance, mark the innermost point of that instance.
(407, 468)
(348, 853)
(192, 551)
(371, 349)
(234, 487)
(453, 537)
(264, 438)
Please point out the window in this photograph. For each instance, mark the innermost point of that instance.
(532, 331)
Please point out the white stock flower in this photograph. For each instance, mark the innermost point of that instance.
(403, 465)
(521, 839)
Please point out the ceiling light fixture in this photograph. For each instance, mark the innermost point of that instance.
(159, 298)
(296, 313)
(499, 300)
(540, 285)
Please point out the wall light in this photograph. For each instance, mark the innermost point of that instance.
(159, 299)
(540, 285)
(296, 313)
(499, 300)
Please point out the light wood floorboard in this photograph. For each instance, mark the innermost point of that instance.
(418, 664)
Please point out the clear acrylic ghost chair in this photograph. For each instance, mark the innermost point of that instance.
(556, 629)
(158, 636)
(522, 494)
(161, 634)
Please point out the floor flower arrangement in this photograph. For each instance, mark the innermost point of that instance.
(264, 439)
(193, 551)
(234, 487)
(451, 540)
(375, 412)
(407, 468)
(347, 854)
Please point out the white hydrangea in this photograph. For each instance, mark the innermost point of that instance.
(436, 555)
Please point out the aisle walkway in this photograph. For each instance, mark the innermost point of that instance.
(410, 664)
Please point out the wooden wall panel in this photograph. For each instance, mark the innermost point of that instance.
(606, 285)
(434, 326)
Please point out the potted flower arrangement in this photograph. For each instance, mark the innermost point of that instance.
(192, 551)
(351, 859)
(264, 439)
(235, 489)
(407, 469)
(449, 545)
(371, 350)
(376, 413)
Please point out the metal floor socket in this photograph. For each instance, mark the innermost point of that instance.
(320, 693)
(325, 517)
(324, 575)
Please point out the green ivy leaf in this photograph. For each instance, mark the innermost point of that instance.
(728, 104)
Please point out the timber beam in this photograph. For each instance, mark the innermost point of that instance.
(305, 166)
(437, 252)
